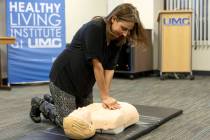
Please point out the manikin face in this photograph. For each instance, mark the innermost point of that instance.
(121, 28)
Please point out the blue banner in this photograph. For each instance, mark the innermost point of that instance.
(39, 28)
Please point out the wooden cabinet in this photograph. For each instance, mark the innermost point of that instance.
(4, 41)
(175, 51)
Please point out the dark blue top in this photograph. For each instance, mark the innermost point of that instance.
(72, 71)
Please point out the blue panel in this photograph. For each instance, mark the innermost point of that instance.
(39, 28)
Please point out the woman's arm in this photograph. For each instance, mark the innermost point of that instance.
(103, 83)
(100, 79)
(108, 77)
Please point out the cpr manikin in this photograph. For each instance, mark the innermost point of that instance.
(84, 122)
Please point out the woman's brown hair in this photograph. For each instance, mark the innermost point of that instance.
(127, 12)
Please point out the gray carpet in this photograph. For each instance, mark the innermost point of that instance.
(193, 97)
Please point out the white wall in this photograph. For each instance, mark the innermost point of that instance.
(145, 8)
(2, 18)
(148, 12)
(3, 49)
(112, 4)
(201, 58)
(80, 11)
(158, 6)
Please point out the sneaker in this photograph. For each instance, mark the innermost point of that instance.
(35, 112)
(48, 98)
(34, 115)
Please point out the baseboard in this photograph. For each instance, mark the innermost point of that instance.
(195, 73)
(201, 73)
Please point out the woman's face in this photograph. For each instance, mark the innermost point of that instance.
(120, 28)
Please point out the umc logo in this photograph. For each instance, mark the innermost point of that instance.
(176, 21)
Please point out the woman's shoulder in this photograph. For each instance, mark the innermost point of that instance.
(97, 22)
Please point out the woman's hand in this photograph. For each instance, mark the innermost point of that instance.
(110, 103)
